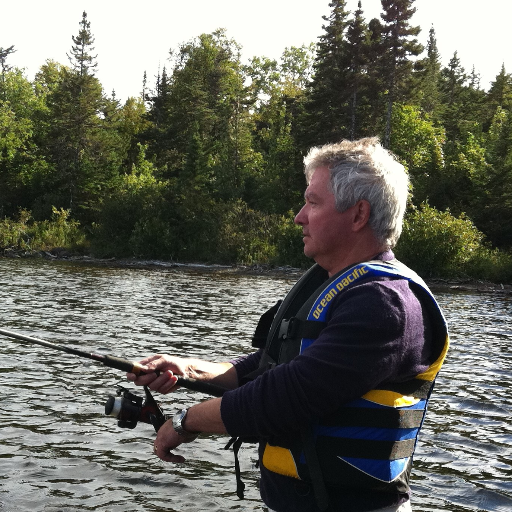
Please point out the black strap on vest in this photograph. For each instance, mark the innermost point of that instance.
(379, 418)
(236, 442)
(369, 448)
(315, 472)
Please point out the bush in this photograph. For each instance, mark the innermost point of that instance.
(290, 247)
(136, 204)
(247, 236)
(25, 234)
(490, 265)
(437, 244)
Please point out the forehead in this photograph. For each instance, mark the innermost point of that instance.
(319, 182)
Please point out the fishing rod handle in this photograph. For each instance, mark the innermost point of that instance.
(120, 363)
(192, 384)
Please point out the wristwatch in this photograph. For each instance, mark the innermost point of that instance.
(177, 423)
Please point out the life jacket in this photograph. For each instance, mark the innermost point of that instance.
(369, 442)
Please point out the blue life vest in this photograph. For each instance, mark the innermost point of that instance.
(368, 442)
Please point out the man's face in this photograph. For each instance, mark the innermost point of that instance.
(325, 229)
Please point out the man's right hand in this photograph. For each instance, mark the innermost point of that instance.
(161, 373)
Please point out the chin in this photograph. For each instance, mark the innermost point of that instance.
(308, 253)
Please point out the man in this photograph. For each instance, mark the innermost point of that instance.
(338, 394)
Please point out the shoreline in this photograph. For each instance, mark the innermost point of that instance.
(463, 285)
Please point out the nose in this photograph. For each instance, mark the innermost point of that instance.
(301, 217)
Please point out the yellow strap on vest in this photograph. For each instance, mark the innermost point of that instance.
(390, 398)
(431, 372)
(280, 460)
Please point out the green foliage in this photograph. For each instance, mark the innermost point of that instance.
(437, 244)
(247, 236)
(25, 234)
(290, 247)
(419, 146)
(20, 157)
(134, 204)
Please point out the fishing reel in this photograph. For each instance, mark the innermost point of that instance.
(129, 409)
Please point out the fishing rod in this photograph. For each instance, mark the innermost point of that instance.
(127, 407)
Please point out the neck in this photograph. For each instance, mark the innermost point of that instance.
(358, 254)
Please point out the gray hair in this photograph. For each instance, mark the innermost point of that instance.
(363, 169)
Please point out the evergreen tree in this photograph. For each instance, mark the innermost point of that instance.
(81, 59)
(4, 53)
(328, 101)
(400, 43)
(431, 75)
(78, 144)
(375, 89)
(500, 93)
(453, 84)
(144, 87)
(358, 41)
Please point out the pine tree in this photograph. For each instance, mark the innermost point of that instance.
(4, 53)
(81, 59)
(78, 145)
(375, 86)
(328, 99)
(431, 96)
(202, 102)
(500, 92)
(143, 94)
(453, 84)
(400, 43)
(358, 40)
(492, 202)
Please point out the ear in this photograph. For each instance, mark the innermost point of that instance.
(361, 215)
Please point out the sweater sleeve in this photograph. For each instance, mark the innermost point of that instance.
(246, 364)
(375, 333)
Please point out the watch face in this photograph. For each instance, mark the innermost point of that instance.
(178, 421)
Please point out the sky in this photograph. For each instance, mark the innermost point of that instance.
(133, 37)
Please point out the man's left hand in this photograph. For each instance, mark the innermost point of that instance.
(166, 440)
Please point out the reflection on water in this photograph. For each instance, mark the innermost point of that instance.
(58, 452)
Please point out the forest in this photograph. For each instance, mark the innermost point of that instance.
(206, 164)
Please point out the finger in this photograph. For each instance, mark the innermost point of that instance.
(152, 362)
(167, 456)
(164, 382)
(170, 457)
(170, 385)
(142, 380)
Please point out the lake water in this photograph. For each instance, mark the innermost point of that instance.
(58, 452)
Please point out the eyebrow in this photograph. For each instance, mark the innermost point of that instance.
(310, 195)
